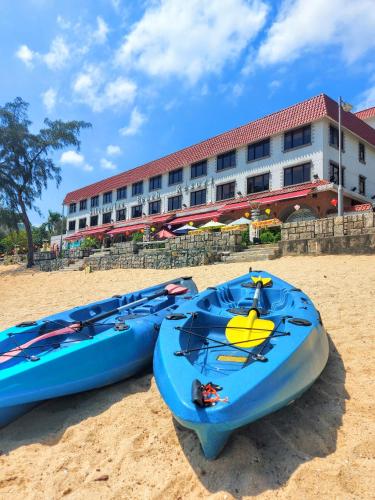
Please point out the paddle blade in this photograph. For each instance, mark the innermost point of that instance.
(248, 331)
(265, 281)
(173, 289)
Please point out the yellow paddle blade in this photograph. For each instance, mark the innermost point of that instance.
(249, 331)
(264, 281)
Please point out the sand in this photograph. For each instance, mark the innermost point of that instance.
(121, 441)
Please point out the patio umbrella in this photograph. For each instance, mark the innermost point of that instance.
(184, 229)
(211, 225)
(240, 222)
(163, 234)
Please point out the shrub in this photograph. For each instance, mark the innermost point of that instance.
(137, 237)
(90, 242)
(12, 240)
(270, 235)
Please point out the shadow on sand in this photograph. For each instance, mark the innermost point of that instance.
(47, 422)
(263, 455)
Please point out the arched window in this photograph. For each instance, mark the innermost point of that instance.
(301, 214)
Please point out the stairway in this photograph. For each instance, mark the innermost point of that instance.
(76, 266)
(254, 253)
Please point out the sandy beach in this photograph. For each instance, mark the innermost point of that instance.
(121, 441)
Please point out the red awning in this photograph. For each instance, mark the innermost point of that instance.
(126, 229)
(72, 237)
(241, 205)
(283, 196)
(95, 231)
(214, 215)
(156, 219)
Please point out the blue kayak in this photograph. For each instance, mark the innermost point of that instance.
(83, 348)
(237, 352)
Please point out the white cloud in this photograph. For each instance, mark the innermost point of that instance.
(193, 38)
(137, 119)
(367, 98)
(49, 99)
(75, 159)
(101, 32)
(113, 150)
(107, 164)
(58, 54)
(25, 55)
(93, 88)
(304, 25)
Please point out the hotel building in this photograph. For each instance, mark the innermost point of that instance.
(286, 161)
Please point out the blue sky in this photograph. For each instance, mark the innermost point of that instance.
(156, 75)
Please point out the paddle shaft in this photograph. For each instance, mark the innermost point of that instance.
(257, 295)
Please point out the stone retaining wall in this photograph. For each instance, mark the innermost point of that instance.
(353, 234)
(184, 251)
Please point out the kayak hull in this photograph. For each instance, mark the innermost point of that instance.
(293, 363)
(98, 356)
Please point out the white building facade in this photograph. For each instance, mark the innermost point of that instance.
(286, 156)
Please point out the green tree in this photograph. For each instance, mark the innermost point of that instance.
(9, 220)
(25, 162)
(55, 223)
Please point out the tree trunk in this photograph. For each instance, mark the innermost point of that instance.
(25, 220)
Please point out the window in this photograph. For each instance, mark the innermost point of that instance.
(198, 169)
(93, 220)
(334, 137)
(361, 152)
(121, 214)
(175, 176)
(122, 193)
(107, 217)
(72, 225)
(83, 204)
(154, 207)
(258, 183)
(94, 201)
(137, 211)
(334, 173)
(225, 191)
(72, 208)
(226, 160)
(137, 188)
(297, 174)
(175, 202)
(82, 223)
(198, 197)
(107, 197)
(155, 183)
(362, 185)
(297, 137)
(258, 150)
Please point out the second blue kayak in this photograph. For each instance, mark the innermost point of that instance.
(84, 348)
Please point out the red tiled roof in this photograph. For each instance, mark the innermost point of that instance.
(297, 115)
(366, 113)
(360, 208)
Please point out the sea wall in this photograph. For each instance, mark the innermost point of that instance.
(350, 234)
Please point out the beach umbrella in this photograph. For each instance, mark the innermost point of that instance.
(211, 225)
(240, 222)
(164, 234)
(184, 229)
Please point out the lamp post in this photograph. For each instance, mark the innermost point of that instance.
(343, 106)
(61, 230)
